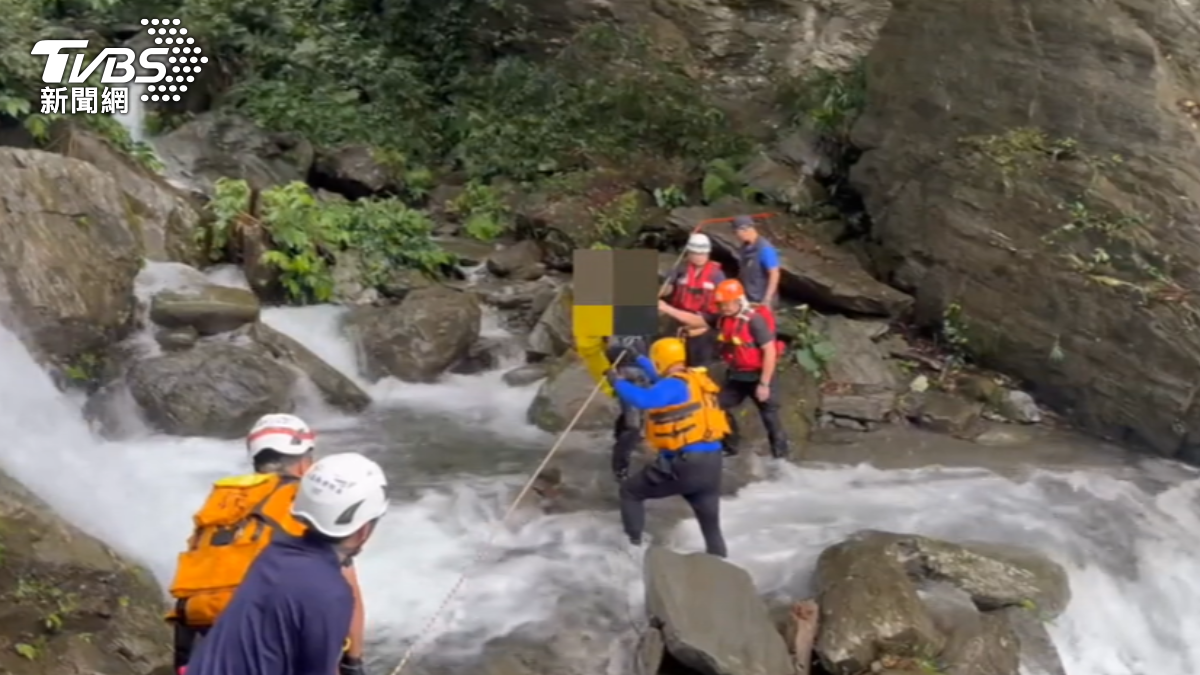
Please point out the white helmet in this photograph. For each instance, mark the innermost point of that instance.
(699, 243)
(285, 434)
(340, 494)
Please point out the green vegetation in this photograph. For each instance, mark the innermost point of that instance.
(25, 22)
(483, 211)
(811, 349)
(954, 336)
(828, 101)
(303, 235)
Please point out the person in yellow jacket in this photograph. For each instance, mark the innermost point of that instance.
(236, 523)
(684, 428)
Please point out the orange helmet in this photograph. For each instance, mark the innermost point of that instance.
(729, 290)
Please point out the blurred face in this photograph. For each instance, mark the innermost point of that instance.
(697, 259)
(729, 308)
(746, 235)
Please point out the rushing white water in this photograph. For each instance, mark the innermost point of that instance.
(1131, 554)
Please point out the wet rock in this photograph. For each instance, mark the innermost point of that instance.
(949, 414)
(108, 610)
(356, 172)
(469, 252)
(176, 339)
(995, 575)
(824, 276)
(520, 260)
(349, 287)
(980, 223)
(1003, 435)
(209, 309)
(651, 649)
(1038, 653)
(483, 356)
(861, 383)
(869, 608)
(782, 183)
(552, 336)
(977, 642)
(526, 375)
(567, 387)
(400, 282)
(417, 340)
(112, 413)
(215, 389)
(1020, 407)
(163, 218)
(725, 630)
(217, 145)
(979, 388)
(522, 302)
(69, 257)
(336, 389)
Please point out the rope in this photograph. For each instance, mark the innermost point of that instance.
(487, 545)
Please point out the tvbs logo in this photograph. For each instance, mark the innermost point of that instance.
(175, 55)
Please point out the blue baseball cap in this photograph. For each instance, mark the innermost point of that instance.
(742, 222)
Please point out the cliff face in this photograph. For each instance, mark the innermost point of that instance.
(70, 604)
(1038, 164)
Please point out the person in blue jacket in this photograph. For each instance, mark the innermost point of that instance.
(758, 263)
(292, 612)
(684, 428)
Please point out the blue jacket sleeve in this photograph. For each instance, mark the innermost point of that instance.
(666, 392)
(769, 258)
(647, 367)
(326, 625)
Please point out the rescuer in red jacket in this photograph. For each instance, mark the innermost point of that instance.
(748, 344)
(692, 289)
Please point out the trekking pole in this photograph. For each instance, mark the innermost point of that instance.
(487, 545)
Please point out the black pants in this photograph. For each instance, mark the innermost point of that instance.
(627, 433)
(733, 393)
(701, 349)
(694, 476)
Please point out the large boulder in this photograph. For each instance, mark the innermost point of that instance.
(553, 333)
(882, 598)
(208, 309)
(417, 340)
(565, 391)
(1060, 230)
(799, 398)
(69, 257)
(164, 218)
(810, 272)
(223, 145)
(71, 605)
(355, 171)
(214, 389)
(338, 390)
(861, 383)
(710, 616)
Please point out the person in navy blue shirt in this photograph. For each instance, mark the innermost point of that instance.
(758, 263)
(684, 427)
(292, 612)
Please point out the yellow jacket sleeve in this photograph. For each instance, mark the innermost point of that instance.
(592, 351)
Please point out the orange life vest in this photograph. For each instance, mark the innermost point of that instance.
(694, 288)
(232, 528)
(737, 341)
(697, 421)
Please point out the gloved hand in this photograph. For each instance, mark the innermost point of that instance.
(612, 377)
(350, 665)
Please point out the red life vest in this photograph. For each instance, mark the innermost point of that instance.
(737, 343)
(695, 293)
